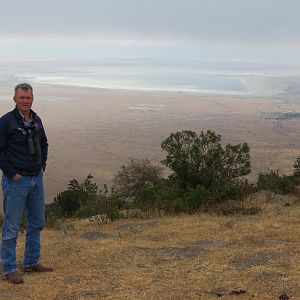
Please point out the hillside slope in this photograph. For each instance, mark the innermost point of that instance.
(186, 257)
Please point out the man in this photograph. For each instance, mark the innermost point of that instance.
(23, 156)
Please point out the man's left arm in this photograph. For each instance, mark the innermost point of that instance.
(44, 147)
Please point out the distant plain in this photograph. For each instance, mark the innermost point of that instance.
(92, 130)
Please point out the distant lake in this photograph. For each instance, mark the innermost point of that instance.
(189, 76)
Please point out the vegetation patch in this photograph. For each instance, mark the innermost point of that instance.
(205, 175)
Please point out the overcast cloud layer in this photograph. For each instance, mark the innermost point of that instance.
(261, 31)
(230, 21)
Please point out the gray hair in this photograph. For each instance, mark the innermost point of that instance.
(23, 86)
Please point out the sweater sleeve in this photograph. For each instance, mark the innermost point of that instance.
(44, 147)
(5, 165)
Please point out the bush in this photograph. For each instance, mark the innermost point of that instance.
(137, 175)
(297, 167)
(172, 199)
(83, 200)
(204, 173)
(200, 159)
(108, 203)
(272, 181)
(68, 202)
(236, 190)
(193, 200)
(159, 197)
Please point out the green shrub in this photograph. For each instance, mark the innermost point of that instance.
(101, 206)
(108, 203)
(200, 159)
(203, 172)
(160, 197)
(276, 183)
(236, 190)
(78, 195)
(86, 190)
(194, 199)
(68, 202)
(110, 207)
(297, 167)
(169, 197)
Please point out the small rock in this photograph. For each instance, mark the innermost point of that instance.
(131, 213)
(237, 292)
(284, 296)
(98, 220)
(219, 292)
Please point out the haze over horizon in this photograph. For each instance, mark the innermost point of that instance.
(209, 37)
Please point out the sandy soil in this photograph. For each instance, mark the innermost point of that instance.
(95, 131)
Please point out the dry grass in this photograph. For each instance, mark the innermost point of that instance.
(183, 257)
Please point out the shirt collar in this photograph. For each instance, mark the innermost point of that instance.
(23, 117)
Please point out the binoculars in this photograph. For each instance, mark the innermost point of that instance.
(34, 145)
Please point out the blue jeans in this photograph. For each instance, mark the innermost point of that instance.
(26, 192)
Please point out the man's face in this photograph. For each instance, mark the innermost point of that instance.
(23, 100)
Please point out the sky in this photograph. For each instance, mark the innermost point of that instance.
(263, 31)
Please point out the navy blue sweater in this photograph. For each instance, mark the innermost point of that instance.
(14, 153)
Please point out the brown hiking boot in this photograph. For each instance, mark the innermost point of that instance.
(38, 268)
(15, 277)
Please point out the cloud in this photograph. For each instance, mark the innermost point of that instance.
(156, 21)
